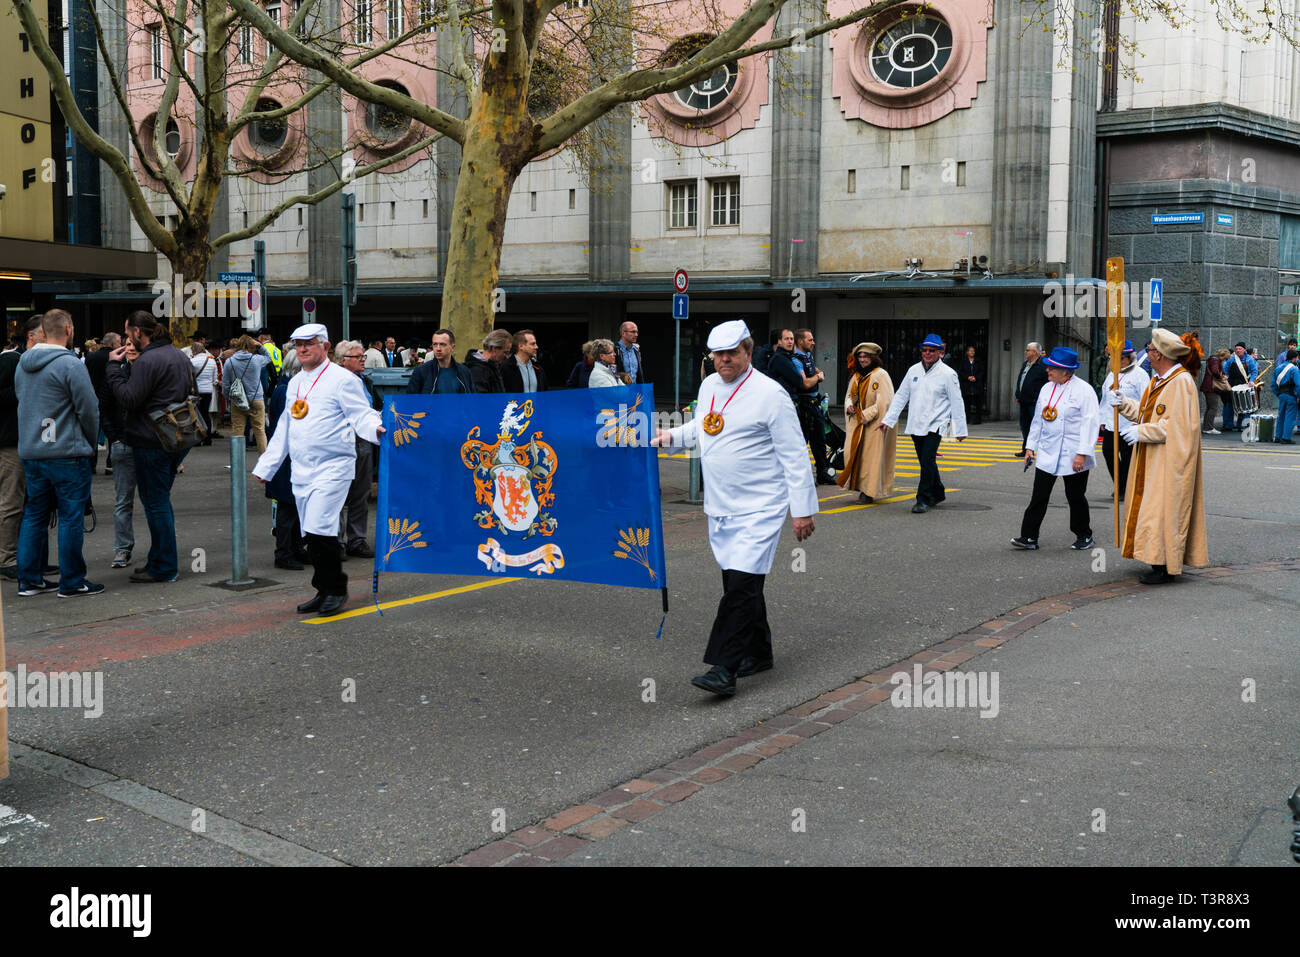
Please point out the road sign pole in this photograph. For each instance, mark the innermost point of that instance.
(677, 367)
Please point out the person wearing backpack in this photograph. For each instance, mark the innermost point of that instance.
(242, 386)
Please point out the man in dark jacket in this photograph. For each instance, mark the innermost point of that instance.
(13, 480)
(627, 355)
(1030, 381)
(58, 427)
(971, 373)
(97, 366)
(162, 375)
(443, 375)
(521, 373)
(485, 364)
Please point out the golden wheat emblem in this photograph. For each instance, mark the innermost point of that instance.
(634, 544)
(406, 427)
(402, 533)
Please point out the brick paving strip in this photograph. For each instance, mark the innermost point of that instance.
(576, 827)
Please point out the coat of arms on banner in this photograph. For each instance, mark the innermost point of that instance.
(512, 478)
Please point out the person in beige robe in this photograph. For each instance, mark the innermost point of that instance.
(1165, 521)
(868, 453)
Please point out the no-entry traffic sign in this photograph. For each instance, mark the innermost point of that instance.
(680, 281)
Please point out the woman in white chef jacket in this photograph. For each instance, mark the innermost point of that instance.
(1062, 442)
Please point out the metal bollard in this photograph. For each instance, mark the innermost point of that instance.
(238, 513)
(695, 495)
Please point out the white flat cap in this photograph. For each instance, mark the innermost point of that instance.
(310, 331)
(728, 335)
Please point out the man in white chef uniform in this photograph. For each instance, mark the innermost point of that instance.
(1062, 442)
(931, 393)
(325, 410)
(755, 470)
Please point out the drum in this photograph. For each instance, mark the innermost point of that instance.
(1245, 400)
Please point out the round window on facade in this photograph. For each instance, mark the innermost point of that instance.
(911, 52)
(172, 140)
(706, 93)
(267, 136)
(384, 124)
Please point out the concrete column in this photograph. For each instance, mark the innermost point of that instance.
(115, 216)
(325, 123)
(796, 147)
(1083, 147)
(609, 198)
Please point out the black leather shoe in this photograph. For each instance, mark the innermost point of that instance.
(1028, 544)
(751, 666)
(314, 604)
(290, 563)
(718, 680)
(333, 604)
(1083, 544)
(361, 551)
(1020, 454)
(864, 498)
(1159, 575)
(920, 507)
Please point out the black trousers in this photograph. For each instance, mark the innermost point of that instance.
(204, 403)
(740, 630)
(328, 577)
(930, 489)
(288, 533)
(814, 433)
(974, 406)
(1125, 456)
(1075, 488)
(1026, 420)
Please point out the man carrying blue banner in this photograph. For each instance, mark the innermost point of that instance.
(755, 470)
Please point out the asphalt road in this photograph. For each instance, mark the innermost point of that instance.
(229, 734)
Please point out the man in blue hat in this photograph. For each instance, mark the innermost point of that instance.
(934, 393)
(1132, 383)
(1062, 439)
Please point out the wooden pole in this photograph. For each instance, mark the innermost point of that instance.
(1115, 339)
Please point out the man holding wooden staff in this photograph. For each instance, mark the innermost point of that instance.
(1165, 523)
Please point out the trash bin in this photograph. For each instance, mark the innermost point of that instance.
(386, 382)
(1267, 426)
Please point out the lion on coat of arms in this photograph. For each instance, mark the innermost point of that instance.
(512, 479)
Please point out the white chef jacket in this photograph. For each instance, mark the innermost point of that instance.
(755, 470)
(1073, 431)
(1132, 384)
(322, 444)
(931, 399)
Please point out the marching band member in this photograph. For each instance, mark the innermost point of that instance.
(932, 394)
(1133, 381)
(1165, 524)
(868, 454)
(755, 470)
(326, 407)
(1062, 437)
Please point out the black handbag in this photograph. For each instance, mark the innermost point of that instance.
(179, 425)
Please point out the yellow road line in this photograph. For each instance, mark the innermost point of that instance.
(371, 609)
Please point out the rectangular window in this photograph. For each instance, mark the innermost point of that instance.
(392, 212)
(961, 174)
(272, 11)
(363, 31)
(853, 181)
(246, 44)
(425, 13)
(573, 199)
(361, 212)
(532, 202)
(302, 28)
(682, 202)
(396, 24)
(426, 209)
(299, 215)
(155, 51)
(726, 201)
(905, 177)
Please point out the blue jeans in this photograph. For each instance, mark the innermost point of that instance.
(54, 483)
(124, 489)
(1287, 413)
(155, 470)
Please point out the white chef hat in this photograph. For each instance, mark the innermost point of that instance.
(728, 335)
(312, 330)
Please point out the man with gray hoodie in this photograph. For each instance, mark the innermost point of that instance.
(58, 427)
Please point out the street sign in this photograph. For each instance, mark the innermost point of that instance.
(308, 309)
(680, 281)
(244, 277)
(1167, 219)
(681, 306)
(1223, 219)
(253, 308)
(1157, 300)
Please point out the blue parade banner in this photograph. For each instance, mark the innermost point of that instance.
(548, 485)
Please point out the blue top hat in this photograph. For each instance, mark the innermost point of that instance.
(932, 340)
(1063, 358)
(1128, 347)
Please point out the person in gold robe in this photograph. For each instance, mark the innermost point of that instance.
(1165, 522)
(868, 453)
